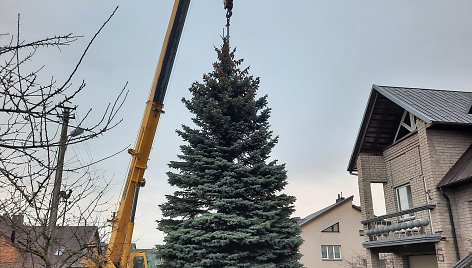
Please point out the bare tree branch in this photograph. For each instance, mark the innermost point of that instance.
(30, 110)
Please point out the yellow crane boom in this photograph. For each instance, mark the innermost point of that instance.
(118, 251)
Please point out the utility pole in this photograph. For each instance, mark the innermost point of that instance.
(57, 180)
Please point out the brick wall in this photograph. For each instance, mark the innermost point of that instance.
(403, 166)
(10, 256)
(440, 151)
(461, 201)
(371, 169)
(422, 160)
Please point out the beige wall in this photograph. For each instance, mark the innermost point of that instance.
(348, 237)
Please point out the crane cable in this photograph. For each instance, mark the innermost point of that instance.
(229, 13)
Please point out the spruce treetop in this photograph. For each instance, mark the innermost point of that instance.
(228, 211)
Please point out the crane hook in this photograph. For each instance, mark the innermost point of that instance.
(229, 10)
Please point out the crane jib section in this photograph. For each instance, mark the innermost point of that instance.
(169, 50)
(118, 250)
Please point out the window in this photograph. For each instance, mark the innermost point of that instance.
(404, 199)
(59, 251)
(333, 228)
(138, 262)
(329, 252)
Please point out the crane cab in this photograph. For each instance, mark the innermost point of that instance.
(145, 259)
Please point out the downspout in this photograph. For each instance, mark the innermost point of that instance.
(426, 192)
(451, 221)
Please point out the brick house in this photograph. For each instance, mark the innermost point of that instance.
(11, 256)
(331, 236)
(24, 246)
(417, 143)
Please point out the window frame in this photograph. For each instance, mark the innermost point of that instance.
(331, 254)
(409, 199)
(60, 250)
(332, 229)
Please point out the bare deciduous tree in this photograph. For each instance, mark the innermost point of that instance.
(31, 112)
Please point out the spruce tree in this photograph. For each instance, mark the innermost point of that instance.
(229, 210)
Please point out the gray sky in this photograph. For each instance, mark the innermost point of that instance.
(317, 61)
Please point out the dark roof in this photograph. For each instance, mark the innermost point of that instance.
(460, 172)
(324, 210)
(385, 108)
(465, 262)
(432, 105)
(75, 241)
(356, 207)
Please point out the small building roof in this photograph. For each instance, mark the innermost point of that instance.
(315, 215)
(460, 172)
(385, 108)
(75, 241)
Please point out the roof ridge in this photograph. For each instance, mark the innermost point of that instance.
(322, 211)
(429, 89)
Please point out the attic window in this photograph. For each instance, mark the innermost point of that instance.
(332, 229)
(407, 126)
(60, 251)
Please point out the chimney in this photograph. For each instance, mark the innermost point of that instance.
(340, 198)
(18, 220)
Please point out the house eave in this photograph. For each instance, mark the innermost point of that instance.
(361, 133)
(402, 104)
(316, 215)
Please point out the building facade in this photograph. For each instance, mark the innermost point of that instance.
(331, 236)
(23, 246)
(409, 141)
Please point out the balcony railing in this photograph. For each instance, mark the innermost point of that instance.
(402, 227)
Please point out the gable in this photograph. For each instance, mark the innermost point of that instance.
(387, 107)
(325, 210)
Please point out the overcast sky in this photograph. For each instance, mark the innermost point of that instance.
(317, 61)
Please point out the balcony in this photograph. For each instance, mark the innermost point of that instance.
(395, 231)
